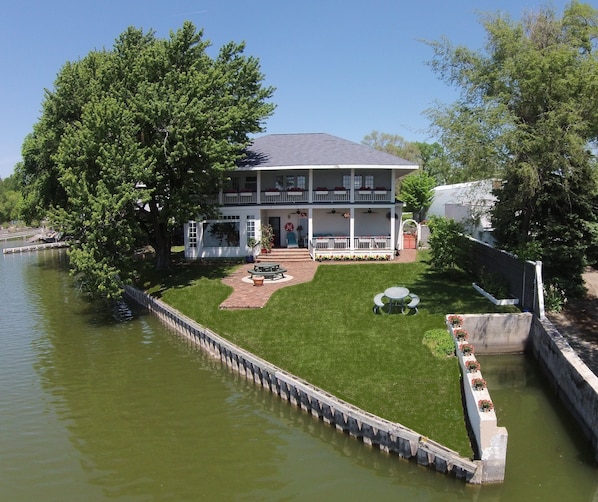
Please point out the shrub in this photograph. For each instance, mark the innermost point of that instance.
(440, 342)
(554, 298)
(494, 283)
(449, 248)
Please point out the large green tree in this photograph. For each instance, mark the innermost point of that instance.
(528, 113)
(130, 139)
(10, 199)
(417, 194)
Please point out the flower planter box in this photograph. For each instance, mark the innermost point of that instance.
(245, 194)
(495, 301)
(294, 193)
(272, 194)
(322, 192)
(380, 192)
(365, 192)
(340, 192)
(230, 194)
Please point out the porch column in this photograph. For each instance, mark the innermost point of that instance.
(310, 186)
(258, 196)
(393, 227)
(352, 229)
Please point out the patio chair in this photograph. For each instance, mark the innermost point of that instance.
(379, 304)
(413, 303)
(291, 240)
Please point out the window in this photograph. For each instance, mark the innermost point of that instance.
(357, 181)
(301, 181)
(369, 181)
(347, 181)
(251, 183)
(250, 227)
(192, 234)
(234, 183)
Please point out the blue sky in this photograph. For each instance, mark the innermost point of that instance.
(344, 67)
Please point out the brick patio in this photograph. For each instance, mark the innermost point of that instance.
(247, 296)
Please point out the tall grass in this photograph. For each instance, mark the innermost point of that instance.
(325, 332)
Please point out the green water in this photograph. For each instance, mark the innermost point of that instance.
(100, 404)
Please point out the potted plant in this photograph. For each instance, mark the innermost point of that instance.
(252, 243)
(472, 366)
(478, 383)
(455, 320)
(340, 190)
(365, 190)
(460, 334)
(380, 190)
(485, 405)
(272, 191)
(322, 191)
(466, 349)
(258, 280)
(267, 240)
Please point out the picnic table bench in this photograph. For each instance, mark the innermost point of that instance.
(267, 270)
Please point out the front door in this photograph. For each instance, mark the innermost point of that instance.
(274, 222)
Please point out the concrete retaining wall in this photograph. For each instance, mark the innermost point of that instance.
(498, 333)
(372, 430)
(490, 438)
(574, 383)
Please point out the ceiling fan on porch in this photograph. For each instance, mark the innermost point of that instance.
(369, 211)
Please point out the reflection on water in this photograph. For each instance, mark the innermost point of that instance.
(106, 403)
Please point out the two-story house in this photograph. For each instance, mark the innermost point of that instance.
(329, 195)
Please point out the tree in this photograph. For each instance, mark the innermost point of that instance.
(449, 248)
(10, 199)
(433, 161)
(131, 139)
(417, 194)
(528, 114)
(393, 144)
(430, 156)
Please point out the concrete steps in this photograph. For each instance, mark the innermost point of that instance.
(286, 255)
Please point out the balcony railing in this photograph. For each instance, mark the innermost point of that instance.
(294, 196)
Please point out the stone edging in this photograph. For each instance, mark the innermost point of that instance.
(372, 430)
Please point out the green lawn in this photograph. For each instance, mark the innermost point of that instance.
(325, 332)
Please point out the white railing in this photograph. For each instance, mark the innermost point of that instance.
(359, 243)
(317, 196)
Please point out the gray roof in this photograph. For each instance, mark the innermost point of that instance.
(315, 149)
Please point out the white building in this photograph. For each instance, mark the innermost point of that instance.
(329, 195)
(468, 203)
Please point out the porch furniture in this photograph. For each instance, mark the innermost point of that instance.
(379, 304)
(268, 270)
(291, 240)
(413, 303)
(396, 296)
